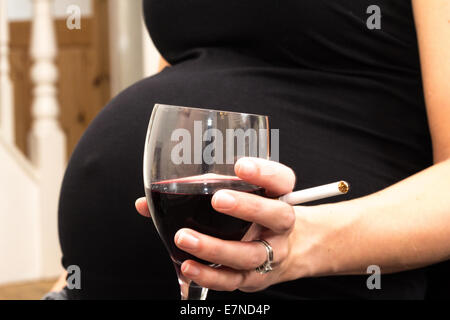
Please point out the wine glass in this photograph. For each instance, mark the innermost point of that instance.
(190, 154)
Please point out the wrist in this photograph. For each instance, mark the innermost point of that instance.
(322, 240)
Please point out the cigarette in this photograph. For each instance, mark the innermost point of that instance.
(316, 193)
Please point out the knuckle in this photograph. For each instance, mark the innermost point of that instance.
(257, 259)
(234, 283)
(250, 289)
(281, 253)
(213, 283)
(213, 251)
(287, 220)
(252, 206)
(254, 285)
(230, 288)
(227, 286)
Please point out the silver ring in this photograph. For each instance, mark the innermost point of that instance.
(267, 265)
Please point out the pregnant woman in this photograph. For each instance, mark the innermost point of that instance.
(349, 102)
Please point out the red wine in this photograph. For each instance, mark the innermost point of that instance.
(186, 203)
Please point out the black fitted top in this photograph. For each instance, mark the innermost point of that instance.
(347, 100)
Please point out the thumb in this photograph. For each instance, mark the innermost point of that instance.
(142, 207)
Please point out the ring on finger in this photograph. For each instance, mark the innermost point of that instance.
(266, 267)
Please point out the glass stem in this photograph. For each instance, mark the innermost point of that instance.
(189, 289)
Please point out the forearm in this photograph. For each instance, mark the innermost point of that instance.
(403, 227)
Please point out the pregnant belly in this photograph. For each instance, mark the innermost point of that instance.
(331, 128)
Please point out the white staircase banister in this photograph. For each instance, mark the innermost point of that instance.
(6, 91)
(46, 140)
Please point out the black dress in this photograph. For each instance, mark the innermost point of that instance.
(347, 100)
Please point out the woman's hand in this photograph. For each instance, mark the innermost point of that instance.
(273, 220)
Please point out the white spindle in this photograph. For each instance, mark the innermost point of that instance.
(6, 93)
(46, 140)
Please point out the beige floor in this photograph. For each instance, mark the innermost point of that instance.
(26, 291)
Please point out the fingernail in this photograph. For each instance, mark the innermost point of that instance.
(137, 202)
(224, 200)
(139, 209)
(268, 170)
(187, 240)
(246, 167)
(190, 270)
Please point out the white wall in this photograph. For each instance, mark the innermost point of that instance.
(19, 244)
(132, 52)
(125, 43)
(150, 54)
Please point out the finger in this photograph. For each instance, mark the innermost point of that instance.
(221, 279)
(234, 254)
(276, 178)
(142, 207)
(270, 213)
